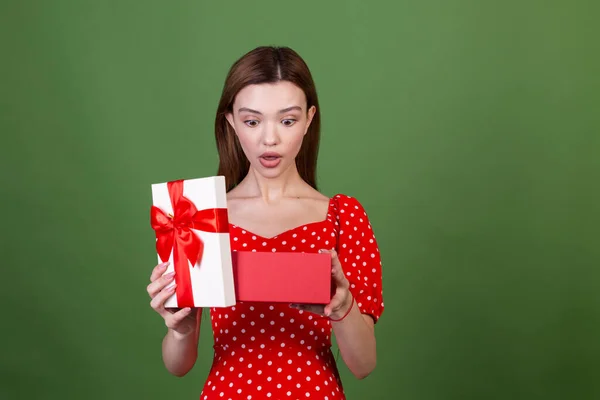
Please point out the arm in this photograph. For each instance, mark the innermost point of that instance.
(358, 300)
(180, 349)
(355, 331)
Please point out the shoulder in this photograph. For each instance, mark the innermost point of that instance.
(346, 204)
(349, 212)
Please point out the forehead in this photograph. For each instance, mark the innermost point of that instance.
(270, 97)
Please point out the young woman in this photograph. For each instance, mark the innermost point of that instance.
(267, 133)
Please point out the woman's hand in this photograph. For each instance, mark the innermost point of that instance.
(181, 321)
(341, 300)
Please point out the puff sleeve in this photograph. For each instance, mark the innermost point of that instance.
(359, 255)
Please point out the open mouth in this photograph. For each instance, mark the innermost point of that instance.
(270, 159)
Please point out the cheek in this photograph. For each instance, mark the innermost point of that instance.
(296, 138)
(244, 137)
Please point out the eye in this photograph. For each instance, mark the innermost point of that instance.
(251, 123)
(289, 122)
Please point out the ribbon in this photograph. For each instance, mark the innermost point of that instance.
(174, 233)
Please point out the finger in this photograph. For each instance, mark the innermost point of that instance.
(337, 272)
(335, 304)
(178, 316)
(312, 308)
(158, 270)
(158, 302)
(156, 286)
(339, 278)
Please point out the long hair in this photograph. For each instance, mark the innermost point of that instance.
(265, 64)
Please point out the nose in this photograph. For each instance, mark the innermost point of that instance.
(270, 135)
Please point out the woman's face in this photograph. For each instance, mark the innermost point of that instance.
(270, 121)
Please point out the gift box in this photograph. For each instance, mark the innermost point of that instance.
(189, 218)
(282, 277)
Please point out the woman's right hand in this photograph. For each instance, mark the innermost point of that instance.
(181, 321)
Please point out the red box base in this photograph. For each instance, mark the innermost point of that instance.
(282, 277)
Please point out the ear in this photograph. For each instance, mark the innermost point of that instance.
(311, 113)
(229, 117)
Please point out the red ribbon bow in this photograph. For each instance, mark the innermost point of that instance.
(175, 233)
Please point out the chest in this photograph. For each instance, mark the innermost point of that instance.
(269, 221)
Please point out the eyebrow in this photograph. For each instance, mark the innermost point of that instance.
(285, 110)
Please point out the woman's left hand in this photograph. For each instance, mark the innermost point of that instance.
(341, 300)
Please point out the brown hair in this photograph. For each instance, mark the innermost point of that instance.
(265, 64)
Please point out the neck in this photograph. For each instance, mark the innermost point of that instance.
(288, 184)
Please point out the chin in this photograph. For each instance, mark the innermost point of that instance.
(271, 173)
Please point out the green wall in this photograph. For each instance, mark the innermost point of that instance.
(468, 129)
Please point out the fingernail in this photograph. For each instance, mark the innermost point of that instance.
(170, 275)
(172, 288)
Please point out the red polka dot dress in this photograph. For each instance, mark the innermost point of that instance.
(269, 350)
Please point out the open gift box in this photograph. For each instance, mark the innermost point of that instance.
(191, 225)
(282, 277)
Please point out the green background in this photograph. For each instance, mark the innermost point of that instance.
(469, 130)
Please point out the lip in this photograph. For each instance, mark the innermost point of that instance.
(270, 159)
(270, 154)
